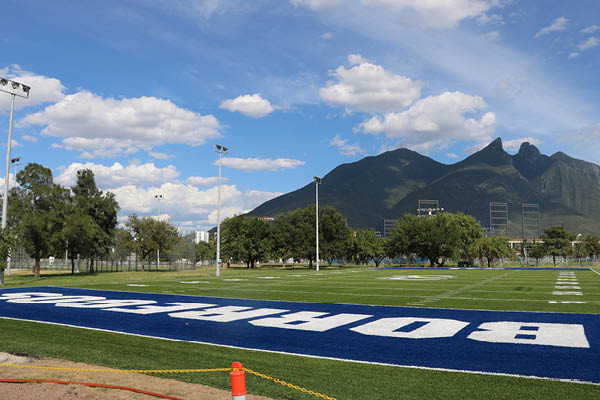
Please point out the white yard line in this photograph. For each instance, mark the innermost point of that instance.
(594, 271)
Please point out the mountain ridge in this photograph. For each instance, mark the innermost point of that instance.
(389, 185)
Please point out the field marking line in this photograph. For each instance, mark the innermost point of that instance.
(449, 293)
(594, 271)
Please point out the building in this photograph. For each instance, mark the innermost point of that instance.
(388, 226)
(201, 236)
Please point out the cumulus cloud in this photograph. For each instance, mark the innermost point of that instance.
(186, 205)
(250, 105)
(490, 19)
(590, 29)
(260, 164)
(589, 43)
(118, 175)
(559, 24)
(515, 144)
(29, 138)
(344, 147)
(43, 89)
(327, 36)
(437, 13)
(369, 88)
(435, 121)
(491, 36)
(105, 127)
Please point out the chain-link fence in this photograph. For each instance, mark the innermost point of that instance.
(182, 257)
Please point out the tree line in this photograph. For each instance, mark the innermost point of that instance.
(439, 238)
(47, 219)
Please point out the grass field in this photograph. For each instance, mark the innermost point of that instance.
(518, 290)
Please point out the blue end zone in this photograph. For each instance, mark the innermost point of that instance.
(549, 345)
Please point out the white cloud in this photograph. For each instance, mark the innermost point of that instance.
(327, 36)
(369, 88)
(344, 148)
(260, 164)
(159, 156)
(437, 13)
(202, 181)
(118, 175)
(43, 89)
(29, 138)
(453, 156)
(588, 43)
(435, 121)
(515, 144)
(573, 54)
(590, 29)
(187, 206)
(315, 4)
(107, 127)
(559, 24)
(250, 105)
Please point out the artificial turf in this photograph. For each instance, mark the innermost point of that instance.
(467, 289)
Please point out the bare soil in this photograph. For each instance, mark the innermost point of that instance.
(51, 391)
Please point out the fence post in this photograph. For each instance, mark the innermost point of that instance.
(238, 381)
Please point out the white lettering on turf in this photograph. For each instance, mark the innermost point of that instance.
(160, 309)
(432, 328)
(227, 314)
(105, 303)
(312, 321)
(564, 335)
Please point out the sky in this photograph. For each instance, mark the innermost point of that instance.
(141, 91)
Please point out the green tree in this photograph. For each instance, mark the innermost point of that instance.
(537, 251)
(591, 244)
(295, 234)
(364, 246)
(147, 235)
(470, 231)
(435, 238)
(491, 248)
(79, 230)
(40, 205)
(557, 242)
(205, 251)
(102, 208)
(249, 239)
(7, 242)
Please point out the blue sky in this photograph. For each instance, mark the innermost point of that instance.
(140, 91)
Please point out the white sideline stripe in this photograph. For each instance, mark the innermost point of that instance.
(594, 271)
(321, 357)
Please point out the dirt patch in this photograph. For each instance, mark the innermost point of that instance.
(51, 391)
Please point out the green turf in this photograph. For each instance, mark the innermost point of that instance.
(467, 289)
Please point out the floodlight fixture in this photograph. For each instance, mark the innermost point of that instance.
(26, 89)
(219, 147)
(3, 82)
(15, 85)
(15, 160)
(12, 89)
(317, 179)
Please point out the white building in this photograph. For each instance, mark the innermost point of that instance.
(201, 236)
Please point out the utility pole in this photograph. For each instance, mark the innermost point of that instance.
(221, 150)
(317, 183)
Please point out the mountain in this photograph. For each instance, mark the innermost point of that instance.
(390, 185)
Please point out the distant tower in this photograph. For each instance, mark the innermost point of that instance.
(530, 221)
(498, 218)
(428, 208)
(388, 226)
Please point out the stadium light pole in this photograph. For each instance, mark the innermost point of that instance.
(158, 198)
(14, 162)
(12, 88)
(221, 150)
(317, 183)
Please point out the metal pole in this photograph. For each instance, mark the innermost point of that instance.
(317, 217)
(158, 219)
(219, 217)
(6, 175)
